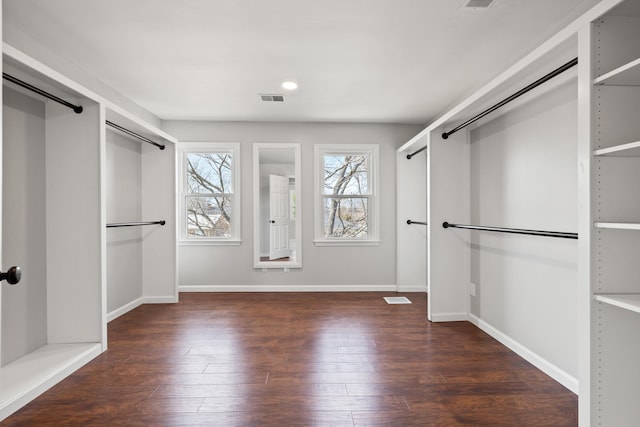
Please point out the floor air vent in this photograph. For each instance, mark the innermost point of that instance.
(397, 300)
(477, 4)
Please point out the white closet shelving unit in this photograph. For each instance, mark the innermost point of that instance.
(611, 218)
(72, 289)
(608, 45)
(156, 244)
(73, 330)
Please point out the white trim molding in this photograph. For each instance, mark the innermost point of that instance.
(137, 303)
(186, 148)
(285, 288)
(372, 152)
(536, 360)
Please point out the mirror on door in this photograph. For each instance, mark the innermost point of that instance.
(276, 205)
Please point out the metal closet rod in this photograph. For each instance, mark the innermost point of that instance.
(135, 135)
(76, 108)
(416, 222)
(135, 224)
(558, 234)
(409, 156)
(521, 92)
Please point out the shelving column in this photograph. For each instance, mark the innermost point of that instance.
(614, 342)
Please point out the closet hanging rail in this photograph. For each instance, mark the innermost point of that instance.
(558, 234)
(135, 224)
(135, 135)
(522, 91)
(76, 108)
(416, 222)
(409, 156)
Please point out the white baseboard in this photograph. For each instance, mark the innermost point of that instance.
(26, 378)
(411, 288)
(544, 365)
(124, 309)
(160, 300)
(449, 317)
(137, 303)
(283, 288)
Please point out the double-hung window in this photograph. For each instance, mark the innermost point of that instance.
(346, 194)
(209, 193)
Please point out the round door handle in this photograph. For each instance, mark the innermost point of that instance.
(12, 276)
(272, 222)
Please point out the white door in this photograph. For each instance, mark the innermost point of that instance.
(278, 217)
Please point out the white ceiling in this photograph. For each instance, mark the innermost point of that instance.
(401, 61)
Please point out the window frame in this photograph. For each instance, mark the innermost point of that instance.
(373, 205)
(187, 148)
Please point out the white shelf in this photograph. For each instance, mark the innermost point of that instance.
(618, 225)
(629, 302)
(24, 379)
(626, 75)
(631, 149)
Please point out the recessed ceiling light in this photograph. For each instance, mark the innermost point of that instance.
(289, 85)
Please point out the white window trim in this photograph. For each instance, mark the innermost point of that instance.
(371, 150)
(208, 147)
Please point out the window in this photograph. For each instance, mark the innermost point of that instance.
(346, 186)
(209, 199)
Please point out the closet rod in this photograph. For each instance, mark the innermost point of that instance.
(134, 224)
(135, 135)
(522, 91)
(416, 222)
(559, 234)
(409, 156)
(76, 108)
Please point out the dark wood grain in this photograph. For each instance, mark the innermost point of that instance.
(335, 359)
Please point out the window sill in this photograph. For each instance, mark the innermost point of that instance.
(346, 242)
(209, 242)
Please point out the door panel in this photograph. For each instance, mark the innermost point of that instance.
(278, 217)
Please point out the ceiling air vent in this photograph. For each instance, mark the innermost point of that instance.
(272, 98)
(477, 4)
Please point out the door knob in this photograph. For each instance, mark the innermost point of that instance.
(12, 276)
(272, 222)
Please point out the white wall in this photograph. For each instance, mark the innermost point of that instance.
(24, 306)
(412, 204)
(524, 175)
(158, 188)
(324, 268)
(124, 204)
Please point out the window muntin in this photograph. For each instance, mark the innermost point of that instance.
(209, 205)
(346, 201)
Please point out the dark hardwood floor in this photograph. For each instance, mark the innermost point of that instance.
(305, 359)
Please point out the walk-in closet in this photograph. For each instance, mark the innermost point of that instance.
(532, 210)
(53, 319)
(140, 209)
(80, 177)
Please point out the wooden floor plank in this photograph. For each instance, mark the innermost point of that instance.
(284, 359)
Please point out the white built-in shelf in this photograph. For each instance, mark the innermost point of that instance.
(24, 379)
(618, 225)
(629, 302)
(632, 149)
(626, 75)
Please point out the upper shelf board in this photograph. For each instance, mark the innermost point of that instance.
(631, 149)
(629, 302)
(618, 225)
(626, 75)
